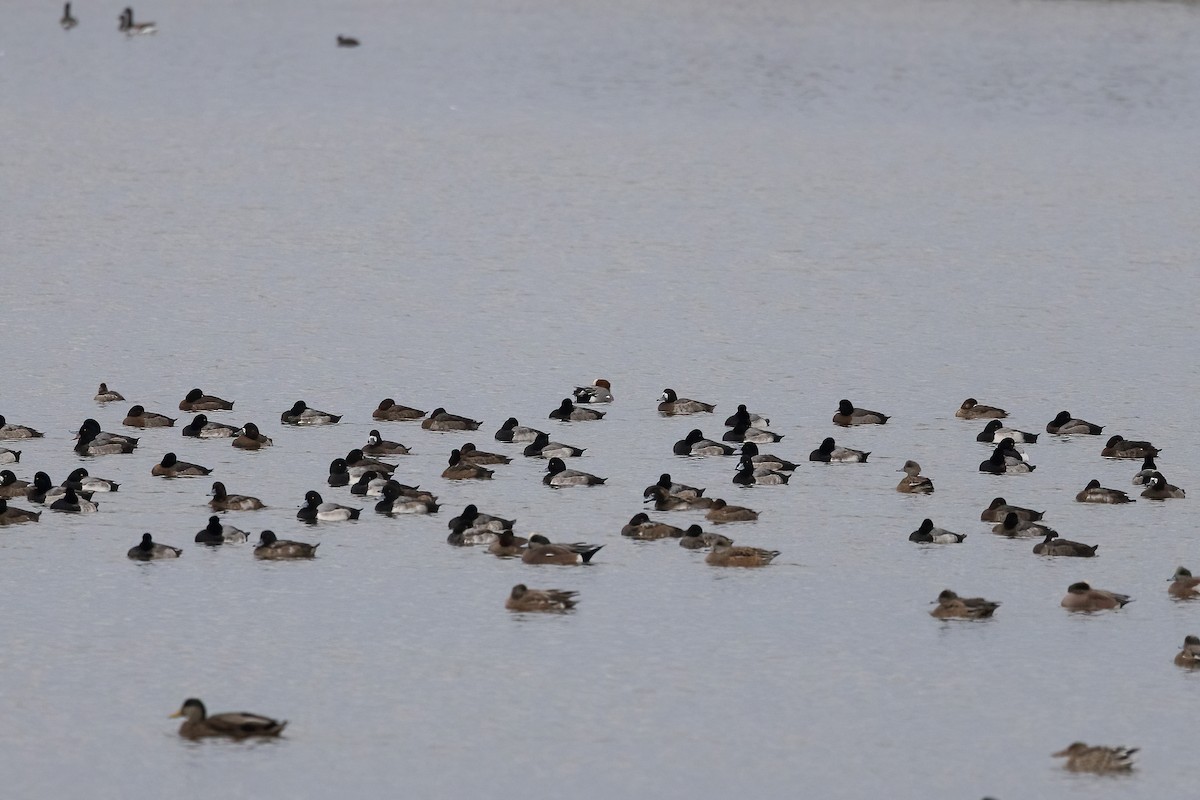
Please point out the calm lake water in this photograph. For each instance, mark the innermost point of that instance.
(900, 202)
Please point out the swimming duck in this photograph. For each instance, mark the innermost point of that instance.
(743, 417)
(568, 412)
(513, 431)
(999, 509)
(750, 450)
(357, 464)
(42, 490)
(508, 545)
(1189, 656)
(1081, 758)
(1053, 546)
(721, 512)
(1013, 527)
(17, 431)
(928, 534)
(339, 473)
(315, 508)
(973, 409)
(665, 501)
(829, 452)
(222, 501)
(400, 499)
(346, 41)
(541, 551)
(725, 555)
(522, 598)
(439, 420)
(463, 534)
(139, 417)
(995, 433)
(1082, 597)
(67, 22)
(470, 455)
(557, 475)
(676, 489)
(847, 415)
(132, 28)
(695, 538)
(11, 515)
(196, 400)
(749, 475)
(1143, 475)
(249, 438)
(694, 444)
(9, 456)
(201, 428)
(10, 486)
(640, 526)
(913, 481)
(149, 550)
(1095, 493)
(80, 480)
(271, 547)
(1183, 585)
(91, 441)
(598, 392)
(104, 394)
(301, 414)
(460, 470)
(215, 533)
(1064, 424)
(951, 606)
(1118, 447)
(369, 484)
(671, 405)
(1159, 489)
(390, 410)
(378, 446)
(744, 433)
(70, 502)
(236, 725)
(172, 467)
(999, 463)
(473, 517)
(542, 447)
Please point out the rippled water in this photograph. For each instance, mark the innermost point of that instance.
(782, 204)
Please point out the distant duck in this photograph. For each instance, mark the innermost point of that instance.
(999, 509)
(1102, 760)
(558, 476)
(149, 550)
(1118, 447)
(81, 481)
(641, 527)
(440, 420)
(1158, 489)
(391, 411)
(72, 503)
(1189, 656)
(1082, 597)
(223, 501)
(172, 467)
(215, 533)
(750, 450)
(1013, 527)
(1183, 585)
(522, 598)
(271, 547)
(67, 20)
(928, 534)
(131, 28)
(599, 392)
(196, 400)
(473, 517)
(1143, 475)
(17, 431)
(675, 489)
(568, 412)
(1064, 425)
(721, 512)
(1095, 493)
(139, 417)
(951, 606)
(9, 456)
(1000, 463)
(542, 447)
(913, 481)
(743, 417)
(378, 446)
(995, 433)
(973, 409)
(750, 475)
(829, 452)
(541, 551)
(665, 501)
(744, 433)
(471, 455)
(460, 470)
(201, 428)
(104, 394)
(10, 486)
(671, 405)
(1053, 546)
(400, 499)
(724, 555)
(11, 515)
(847, 415)
(249, 438)
(301, 414)
(347, 41)
(463, 534)
(695, 538)
(694, 444)
(513, 431)
(315, 508)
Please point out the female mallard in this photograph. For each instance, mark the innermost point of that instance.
(236, 725)
(1082, 758)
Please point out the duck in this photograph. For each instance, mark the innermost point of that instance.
(389, 410)
(676, 489)
(17, 431)
(522, 598)
(1189, 656)
(104, 394)
(829, 452)
(301, 414)
(1095, 493)
(848, 415)
(694, 444)
(80, 480)
(400, 499)
(139, 417)
(1159, 489)
(1183, 585)
(1143, 475)
(339, 473)
(274, 548)
(9, 456)
(670, 404)
(469, 454)
(1082, 597)
(541, 551)
(235, 725)
(42, 490)
(378, 446)
(369, 484)
(744, 433)
(215, 533)
(641, 527)
(1065, 425)
(440, 420)
(695, 538)
(91, 441)
(999, 509)
(1053, 546)
(721, 512)
(928, 534)
(459, 470)
(542, 447)
(149, 550)
(973, 409)
(1118, 447)
(516, 433)
(196, 400)
(464, 534)
(172, 467)
(11, 515)
(10, 485)
(346, 41)
(995, 433)
(132, 28)
(557, 475)
(1103, 760)
(913, 481)
(201, 428)
(749, 475)
(727, 555)
(951, 606)
(665, 501)
(67, 22)
(998, 463)
(357, 463)
(71, 502)
(568, 412)
(743, 417)
(315, 508)
(599, 392)
(508, 545)
(249, 438)
(473, 517)
(1013, 527)
(750, 450)
(223, 501)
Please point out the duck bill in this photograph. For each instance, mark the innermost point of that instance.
(176, 715)
(1060, 754)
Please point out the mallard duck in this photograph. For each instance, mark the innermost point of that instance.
(149, 550)
(913, 481)
(848, 415)
(951, 606)
(271, 547)
(236, 725)
(391, 411)
(973, 409)
(1082, 758)
(301, 414)
(672, 404)
(1082, 597)
(522, 598)
(724, 555)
